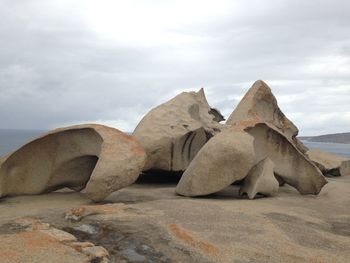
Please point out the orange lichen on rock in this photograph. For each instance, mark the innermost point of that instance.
(76, 214)
(8, 254)
(188, 238)
(320, 260)
(37, 240)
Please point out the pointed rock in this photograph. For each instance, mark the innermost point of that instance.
(175, 131)
(260, 179)
(226, 158)
(95, 157)
(260, 105)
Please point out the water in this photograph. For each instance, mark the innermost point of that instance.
(336, 148)
(11, 140)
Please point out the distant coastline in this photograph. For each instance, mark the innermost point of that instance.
(343, 138)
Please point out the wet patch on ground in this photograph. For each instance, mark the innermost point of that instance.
(127, 198)
(126, 243)
(11, 228)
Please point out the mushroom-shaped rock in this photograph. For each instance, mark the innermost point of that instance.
(260, 179)
(226, 158)
(345, 168)
(260, 105)
(95, 158)
(328, 163)
(175, 131)
(290, 163)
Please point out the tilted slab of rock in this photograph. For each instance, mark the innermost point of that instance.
(175, 131)
(230, 155)
(290, 163)
(260, 179)
(260, 105)
(328, 163)
(95, 158)
(345, 168)
(226, 158)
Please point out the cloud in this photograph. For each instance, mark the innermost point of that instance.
(65, 62)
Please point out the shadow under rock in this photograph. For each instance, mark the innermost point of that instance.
(159, 177)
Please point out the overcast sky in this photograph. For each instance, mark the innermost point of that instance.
(64, 62)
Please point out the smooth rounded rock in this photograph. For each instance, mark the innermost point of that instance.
(174, 132)
(226, 158)
(92, 157)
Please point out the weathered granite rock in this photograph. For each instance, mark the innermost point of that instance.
(226, 158)
(230, 155)
(92, 157)
(260, 179)
(175, 131)
(328, 163)
(345, 168)
(260, 105)
(290, 163)
(258, 129)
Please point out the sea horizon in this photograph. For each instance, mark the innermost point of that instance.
(12, 139)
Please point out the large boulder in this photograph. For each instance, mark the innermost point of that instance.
(175, 131)
(260, 179)
(345, 168)
(328, 163)
(95, 158)
(226, 158)
(260, 105)
(230, 155)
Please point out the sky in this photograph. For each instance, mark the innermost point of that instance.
(65, 62)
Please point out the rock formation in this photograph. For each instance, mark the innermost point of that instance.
(328, 163)
(260, 105)
(258, 132)
(345, 168)
(226, 158)
(290, 163)
(260, 179)
(94, 158)
(230, 155)
(175, 131)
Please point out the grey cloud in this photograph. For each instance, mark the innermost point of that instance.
(55, 70)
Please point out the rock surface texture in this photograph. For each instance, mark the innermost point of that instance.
(175, 131)
(291, 164)
(328, 163)
(345, 168)
(94, 158)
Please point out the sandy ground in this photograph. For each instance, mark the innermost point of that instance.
(147, 222)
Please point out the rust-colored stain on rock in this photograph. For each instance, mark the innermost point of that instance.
(188, 238)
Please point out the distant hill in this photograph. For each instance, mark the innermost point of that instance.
(331, 138)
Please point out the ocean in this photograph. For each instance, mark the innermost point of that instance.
(336, 148)
(10, 140)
